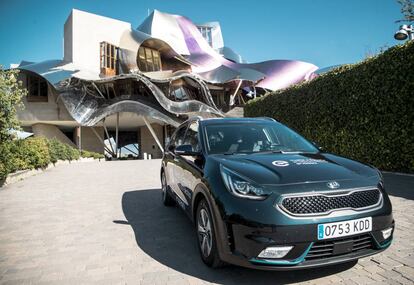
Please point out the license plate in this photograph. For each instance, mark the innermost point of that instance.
(345, 228)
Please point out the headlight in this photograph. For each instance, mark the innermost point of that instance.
(241, 186)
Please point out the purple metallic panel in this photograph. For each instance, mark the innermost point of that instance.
(277, 74)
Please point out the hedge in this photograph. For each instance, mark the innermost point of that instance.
(36, 152)
(61, 151)
(90, 154)
(364, 111)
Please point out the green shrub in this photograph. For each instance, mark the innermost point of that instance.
(10, 159)
(62, 151)
(56, 150)
(3, 172)
(6, 163)
(86, 154)
(73, 153)
(11, 94)
(364, 111)
(91, 154)
(33, 151)
(98, 155)
(4, 157)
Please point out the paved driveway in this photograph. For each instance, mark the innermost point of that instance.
(103, 222)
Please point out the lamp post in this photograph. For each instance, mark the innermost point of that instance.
(405, 32)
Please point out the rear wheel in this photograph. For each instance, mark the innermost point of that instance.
(207, 243)
(167, 200)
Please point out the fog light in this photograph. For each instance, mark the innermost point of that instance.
(275, 252)
(386, 233)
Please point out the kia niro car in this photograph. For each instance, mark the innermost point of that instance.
(262, 196)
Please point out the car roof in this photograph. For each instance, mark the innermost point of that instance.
(217, 121)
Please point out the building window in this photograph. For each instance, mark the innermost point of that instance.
(108, 54)
(183, 93)
(206, 33)
(123, 87)
(180, 94)
(219, 99)
(37, 89)
(149, 59)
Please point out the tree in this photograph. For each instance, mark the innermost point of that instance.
(11, 93)
(407, 9)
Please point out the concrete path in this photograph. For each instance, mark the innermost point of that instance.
(103, 223)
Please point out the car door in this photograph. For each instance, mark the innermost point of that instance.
(174, 163)
(191, 166)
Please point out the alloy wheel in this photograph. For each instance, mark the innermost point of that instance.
(204, 232)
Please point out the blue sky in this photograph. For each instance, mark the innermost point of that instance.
(323, 32)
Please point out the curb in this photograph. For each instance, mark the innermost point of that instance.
(22, 174)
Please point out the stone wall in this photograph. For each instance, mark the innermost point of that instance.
(50, 132)
(89, 140)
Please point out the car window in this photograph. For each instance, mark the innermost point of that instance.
(191, 136)
(254, 137)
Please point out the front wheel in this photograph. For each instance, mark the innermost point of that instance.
(167, 200)
(206, 238)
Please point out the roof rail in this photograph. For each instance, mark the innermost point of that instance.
(267, 118)
(194, 118)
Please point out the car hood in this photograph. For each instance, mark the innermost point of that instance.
(314, 169)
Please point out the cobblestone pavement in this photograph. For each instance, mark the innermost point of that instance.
(103, 222)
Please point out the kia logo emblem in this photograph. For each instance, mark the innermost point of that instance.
(333, 185)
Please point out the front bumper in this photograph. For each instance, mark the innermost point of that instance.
(305, 264)
(245, 242)
(244, 228)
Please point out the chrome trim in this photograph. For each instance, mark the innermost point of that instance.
(267, 118)
(334, 212)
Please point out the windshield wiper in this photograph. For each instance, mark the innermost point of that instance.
(236, 152)
(266, 151)
(284, 151)
(298, 151)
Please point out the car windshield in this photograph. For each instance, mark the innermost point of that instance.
(254, 138)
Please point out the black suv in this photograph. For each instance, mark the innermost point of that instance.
(262, 196)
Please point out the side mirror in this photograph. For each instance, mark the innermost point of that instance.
(186, 149)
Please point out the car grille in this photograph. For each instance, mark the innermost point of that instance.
(321, 204)
(325, 249)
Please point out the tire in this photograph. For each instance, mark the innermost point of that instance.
(167, 200)
(206, 238)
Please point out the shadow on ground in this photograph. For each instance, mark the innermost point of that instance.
(167, 235)
(399, 185)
